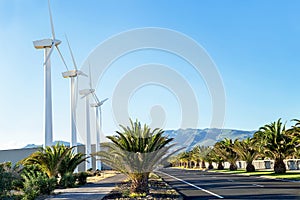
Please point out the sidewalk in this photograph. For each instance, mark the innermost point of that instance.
(89, 191)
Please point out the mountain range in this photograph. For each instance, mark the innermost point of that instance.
(188, 138)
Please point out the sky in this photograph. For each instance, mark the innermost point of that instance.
(253, 44)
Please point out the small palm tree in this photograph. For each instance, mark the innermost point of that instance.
(54, 160)
(136, 151)
(247, 151)
(278, 143)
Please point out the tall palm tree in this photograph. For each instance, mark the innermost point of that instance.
(136, 151)
(224, 149)
(214, 157)
(278, 143)
(200, 154)
(247, 151)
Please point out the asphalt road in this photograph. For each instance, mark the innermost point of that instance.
(196, 184)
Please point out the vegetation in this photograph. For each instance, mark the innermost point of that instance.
(36, 183)
(39, 173)
(247, 151)
(136, 151)
(55, 160)
(272, 141)
(277, 143)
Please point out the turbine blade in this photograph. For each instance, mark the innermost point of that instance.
(51, 21)
(49, 54)
(103, 101)
(74, 62)
(96, 98)
(90, 76)
(81, 73)
(62, 58)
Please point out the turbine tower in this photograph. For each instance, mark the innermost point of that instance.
(98, 105)
(86, 94)
(72, 74)
(48, 45)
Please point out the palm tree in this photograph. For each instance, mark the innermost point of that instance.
(54, 160)
(70, 161)
(214, 157)
(200, 154)
(247, 151)
(278, 143)
(183, 159)
(225, 150)
(136, 151)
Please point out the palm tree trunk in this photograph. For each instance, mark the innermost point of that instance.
(279, 166)
(250, 167)
(210, 165)
(232, 167)
(139, 183)
(203, 164)
(220, 166)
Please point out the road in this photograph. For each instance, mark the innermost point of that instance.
(196, 184)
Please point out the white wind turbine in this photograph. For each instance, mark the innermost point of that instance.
(72, 74)
(98, 105)
(86, 94)
(48, 45)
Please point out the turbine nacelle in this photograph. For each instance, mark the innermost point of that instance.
(73, 73)
(45, 43)
(86, 92)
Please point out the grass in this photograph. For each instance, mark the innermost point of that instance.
(291, 175)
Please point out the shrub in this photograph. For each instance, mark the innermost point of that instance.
(36, 183)
(67, 180)
(6, 179)
(81, 178)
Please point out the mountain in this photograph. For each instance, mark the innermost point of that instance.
(53, 143)
(188, 138)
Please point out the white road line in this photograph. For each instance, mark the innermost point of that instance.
(195, 186)
(258, 185)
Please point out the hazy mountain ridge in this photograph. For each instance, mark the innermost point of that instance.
(190, 137)
(207, 137)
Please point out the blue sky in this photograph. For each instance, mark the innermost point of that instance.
(254, 44)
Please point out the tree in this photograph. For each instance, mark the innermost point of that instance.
(214, 157)
(200, 154)
(136, 151)
(225, 150)
(54, 160)
(278, 143)
(247, 151)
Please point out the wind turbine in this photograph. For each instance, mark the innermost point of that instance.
(72, 74)
(48, 45)
(98, 105)
(86, 94)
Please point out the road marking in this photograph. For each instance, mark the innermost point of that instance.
(258, 185)
(195, 186)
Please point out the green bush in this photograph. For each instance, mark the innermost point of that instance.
(36, 183)
(6, 179)
(67, 180)
(81, 178)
